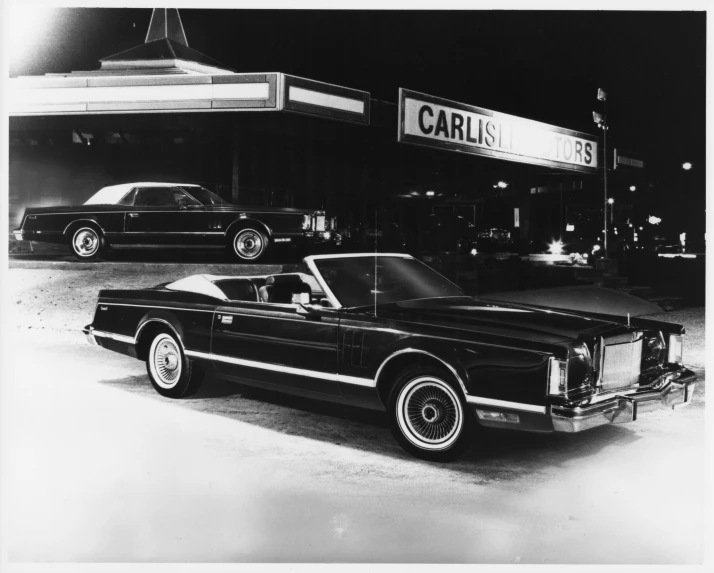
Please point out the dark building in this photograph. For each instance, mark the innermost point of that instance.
(164, 111)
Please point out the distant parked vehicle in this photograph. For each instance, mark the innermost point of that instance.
(171, 215)
(494, 240)
(442, 233)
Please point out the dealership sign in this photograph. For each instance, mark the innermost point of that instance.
(435, 122)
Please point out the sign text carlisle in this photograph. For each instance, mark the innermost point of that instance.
(435, 122)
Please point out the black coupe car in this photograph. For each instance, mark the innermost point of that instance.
(171, 215)
(389, 333)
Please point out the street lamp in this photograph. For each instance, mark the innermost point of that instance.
(611, 202)
(686, 166)
(633, 188)
(601, 121)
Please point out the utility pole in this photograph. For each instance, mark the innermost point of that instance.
(601, 121)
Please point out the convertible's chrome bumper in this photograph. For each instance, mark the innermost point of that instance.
(88, 332)
(622, 409)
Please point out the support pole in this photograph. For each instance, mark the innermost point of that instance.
(604, 158)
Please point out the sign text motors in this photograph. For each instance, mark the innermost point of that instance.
(431, 121)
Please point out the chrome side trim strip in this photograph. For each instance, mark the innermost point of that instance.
(279, 368)
(150, 306)
(505, 404)
(113, 336)
(172, 233)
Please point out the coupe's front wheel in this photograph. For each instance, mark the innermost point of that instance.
(428, 415)
(171, 373)
(86, 244)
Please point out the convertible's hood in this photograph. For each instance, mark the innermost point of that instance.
(514, 321)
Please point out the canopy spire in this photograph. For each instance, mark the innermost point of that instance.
(166, 23)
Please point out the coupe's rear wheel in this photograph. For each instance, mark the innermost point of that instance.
(86, 243)
(428, 415)
(171, 373)
(249, 245)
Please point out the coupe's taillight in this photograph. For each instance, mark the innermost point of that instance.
(557, 377)
(675, 349)
(319, 222)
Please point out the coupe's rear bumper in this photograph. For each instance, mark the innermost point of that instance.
(678, 390)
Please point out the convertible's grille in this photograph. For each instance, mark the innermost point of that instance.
(621, 361)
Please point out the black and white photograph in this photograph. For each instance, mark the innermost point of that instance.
(364, 283)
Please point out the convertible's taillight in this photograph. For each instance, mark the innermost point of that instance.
(557, 377)
(675, 349)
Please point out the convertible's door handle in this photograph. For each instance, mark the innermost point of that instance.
(133, 214)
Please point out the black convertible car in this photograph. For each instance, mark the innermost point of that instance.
(171, 215)
(387, 332)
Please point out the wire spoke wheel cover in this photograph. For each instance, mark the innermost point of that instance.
(165, 361)
(85, 242)
(429, 413)
(249, 244)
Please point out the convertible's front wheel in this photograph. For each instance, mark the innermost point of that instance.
(428, 415)
(171, 373)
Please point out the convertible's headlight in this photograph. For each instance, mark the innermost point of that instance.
(306, 222)
(655, 347)
(675, 349)
(557, 377)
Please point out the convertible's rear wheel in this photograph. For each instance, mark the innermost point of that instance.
(428, 415)
(171, 373)
(86, 243)
(249, 245)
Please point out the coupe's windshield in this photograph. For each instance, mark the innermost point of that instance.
(205, 196)
(352, 280)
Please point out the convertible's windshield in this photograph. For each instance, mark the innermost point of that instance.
(205, 196)
(366, 280)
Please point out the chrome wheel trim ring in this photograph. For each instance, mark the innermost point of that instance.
(85, 242)
(429, 413)
(165, 361)
(249, 244)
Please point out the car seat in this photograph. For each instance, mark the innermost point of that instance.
(280, 288)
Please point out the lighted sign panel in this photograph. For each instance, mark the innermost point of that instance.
(435, 122)
(61, 96)
(327, 100)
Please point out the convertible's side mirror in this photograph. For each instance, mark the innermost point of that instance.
(305, 310)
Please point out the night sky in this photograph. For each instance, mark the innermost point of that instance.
(544, 66)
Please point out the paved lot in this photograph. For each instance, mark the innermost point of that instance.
(101, 468)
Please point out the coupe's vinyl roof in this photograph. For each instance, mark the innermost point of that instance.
(114, 193)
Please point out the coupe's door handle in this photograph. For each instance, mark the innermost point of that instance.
(133, 214)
